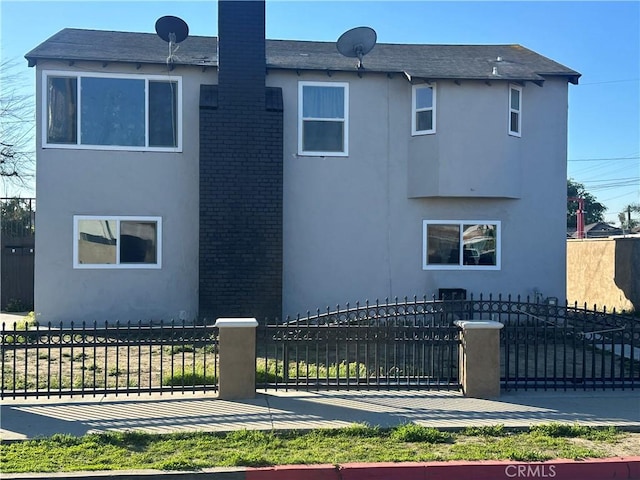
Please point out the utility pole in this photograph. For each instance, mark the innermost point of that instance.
(579, 215)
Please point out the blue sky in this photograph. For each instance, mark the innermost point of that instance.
(601, 40)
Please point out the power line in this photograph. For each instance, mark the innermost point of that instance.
(607, 186)
(625, 179)
(617, 183)
(611, 81)
(597, 169)
(618, 196)
(603, 159)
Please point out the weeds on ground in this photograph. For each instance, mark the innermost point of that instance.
(356, 443)
(190, 376)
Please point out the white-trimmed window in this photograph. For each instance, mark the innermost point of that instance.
(323, 113)
(461, 245)
(423, 100)
(117, 242)
(112, 111)
(515, 110)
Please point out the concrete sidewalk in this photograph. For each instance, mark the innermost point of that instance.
(31, 418)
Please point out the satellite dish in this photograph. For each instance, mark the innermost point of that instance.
(357, 42)
(172, 29)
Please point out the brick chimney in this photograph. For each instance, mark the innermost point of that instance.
(241, 53)
(241, 152)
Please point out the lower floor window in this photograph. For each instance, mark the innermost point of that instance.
(117, 242)
(452, 245)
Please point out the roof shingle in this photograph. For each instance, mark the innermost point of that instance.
(512, 62)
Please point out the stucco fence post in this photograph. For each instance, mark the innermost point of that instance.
(236, 358)
(480, 358)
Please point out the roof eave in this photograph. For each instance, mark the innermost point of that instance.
(413, 78)
(32, 61)
(572, 77)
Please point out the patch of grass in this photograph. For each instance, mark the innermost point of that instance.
(607, 434)
(175, 349)
(494, 448)
(411, 432)
(271, 372)
(360, 430)
(79, 357)
(485, 431)
(190, 376)
(357, 443)
(210, 349)
(526, 446)
(128, 439)
(523, 455)
(274, 371)
(179, 464)
(250, 436)
(79, 383)
(66, 440)
(555, 430)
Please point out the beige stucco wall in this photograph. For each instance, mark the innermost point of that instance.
(352, 226)
(604, 272)
(119, 183)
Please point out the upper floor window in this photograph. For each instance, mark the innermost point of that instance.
(112, 112)
(461, 245)
(117, 242)
(323, 111)
(423, 99)
(515, 110)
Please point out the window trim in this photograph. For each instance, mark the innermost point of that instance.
(118, 219)
(79, 146)
(301, 119)
(518, 111)
(415, 110)
(461, 223)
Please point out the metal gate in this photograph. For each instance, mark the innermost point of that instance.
(17, 248)
(404, 344)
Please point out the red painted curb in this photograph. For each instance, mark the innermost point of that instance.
(386, 471)
(294, 472)
(627, 468)
(556, 469)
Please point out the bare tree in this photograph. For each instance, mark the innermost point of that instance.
(17, 126)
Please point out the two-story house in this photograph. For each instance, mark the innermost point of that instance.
(250, 177)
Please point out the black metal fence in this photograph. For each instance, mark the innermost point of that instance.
(107, 359)
(408, 344)
(565, 347)
(545, 345)
(411, 343)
